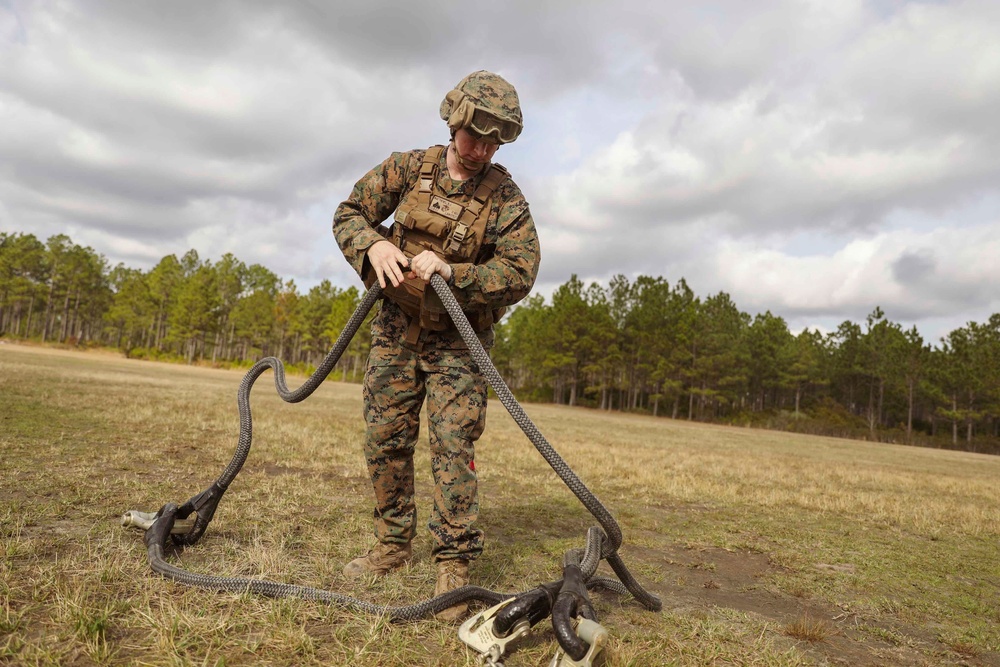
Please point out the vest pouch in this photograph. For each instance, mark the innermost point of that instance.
(432, 310)
(428, 223)
(480, 320)
(410, 297)
(407, 295)
(454, 240)
(461, 251)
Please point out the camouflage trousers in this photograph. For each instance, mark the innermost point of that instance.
(398, 381)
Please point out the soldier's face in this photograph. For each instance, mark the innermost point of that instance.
(474, 149)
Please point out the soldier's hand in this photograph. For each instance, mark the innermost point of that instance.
(386, 260)
(426, 264)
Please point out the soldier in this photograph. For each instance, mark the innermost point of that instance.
(458, 215)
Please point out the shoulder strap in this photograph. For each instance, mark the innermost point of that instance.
(429, 168)
(473, 219)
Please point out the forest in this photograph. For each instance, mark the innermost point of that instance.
(641, 345)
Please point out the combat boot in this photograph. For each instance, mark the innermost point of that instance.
(383, 558)
(452, 574)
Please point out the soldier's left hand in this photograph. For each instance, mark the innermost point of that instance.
(427, 264)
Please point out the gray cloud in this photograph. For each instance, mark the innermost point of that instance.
(677, 139)
(914, 268)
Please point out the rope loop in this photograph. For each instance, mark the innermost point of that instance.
(602, 542)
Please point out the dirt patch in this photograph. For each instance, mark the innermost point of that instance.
(702, 579)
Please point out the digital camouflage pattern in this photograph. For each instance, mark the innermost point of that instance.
(490, 92)
(397, 381)
(501, 281)
(439, 369)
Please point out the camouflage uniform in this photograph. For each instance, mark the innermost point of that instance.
(439, 367)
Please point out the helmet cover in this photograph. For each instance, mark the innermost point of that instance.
(487, 103)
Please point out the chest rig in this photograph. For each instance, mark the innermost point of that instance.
(426, 219)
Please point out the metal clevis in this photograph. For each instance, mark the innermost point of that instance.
(144, 521)
(593, 634)
(478, 633)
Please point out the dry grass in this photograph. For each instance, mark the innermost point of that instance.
(808, 629)
(754, 539)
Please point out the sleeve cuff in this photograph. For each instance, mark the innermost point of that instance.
(366, 239)
(462, 275)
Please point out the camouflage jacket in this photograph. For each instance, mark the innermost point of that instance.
(501, 281)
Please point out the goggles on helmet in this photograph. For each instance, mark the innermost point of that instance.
(486, 124)
(467, 115)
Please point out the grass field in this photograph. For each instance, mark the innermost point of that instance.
(767, 548)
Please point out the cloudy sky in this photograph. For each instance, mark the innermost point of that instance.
(812, 158)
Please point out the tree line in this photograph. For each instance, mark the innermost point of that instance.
(648, 346)
(188, 309)
(639, 345)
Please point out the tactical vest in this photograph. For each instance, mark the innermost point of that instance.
(427, 220)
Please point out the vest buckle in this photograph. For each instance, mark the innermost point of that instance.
(457, 237)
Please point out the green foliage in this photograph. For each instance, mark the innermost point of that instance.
(185, 309)
(640, 345)
(645, 346)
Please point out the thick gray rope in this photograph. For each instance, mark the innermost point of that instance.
(598, 546)
(613, 532)
(300, 394)
(273, 589)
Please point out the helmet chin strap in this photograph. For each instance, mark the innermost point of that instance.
(469, 165)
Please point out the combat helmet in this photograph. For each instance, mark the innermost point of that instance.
(485, 103)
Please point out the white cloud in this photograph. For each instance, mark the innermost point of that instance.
(911, 275)
(808, 157)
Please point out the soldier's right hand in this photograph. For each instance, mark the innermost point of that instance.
(387, 259)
